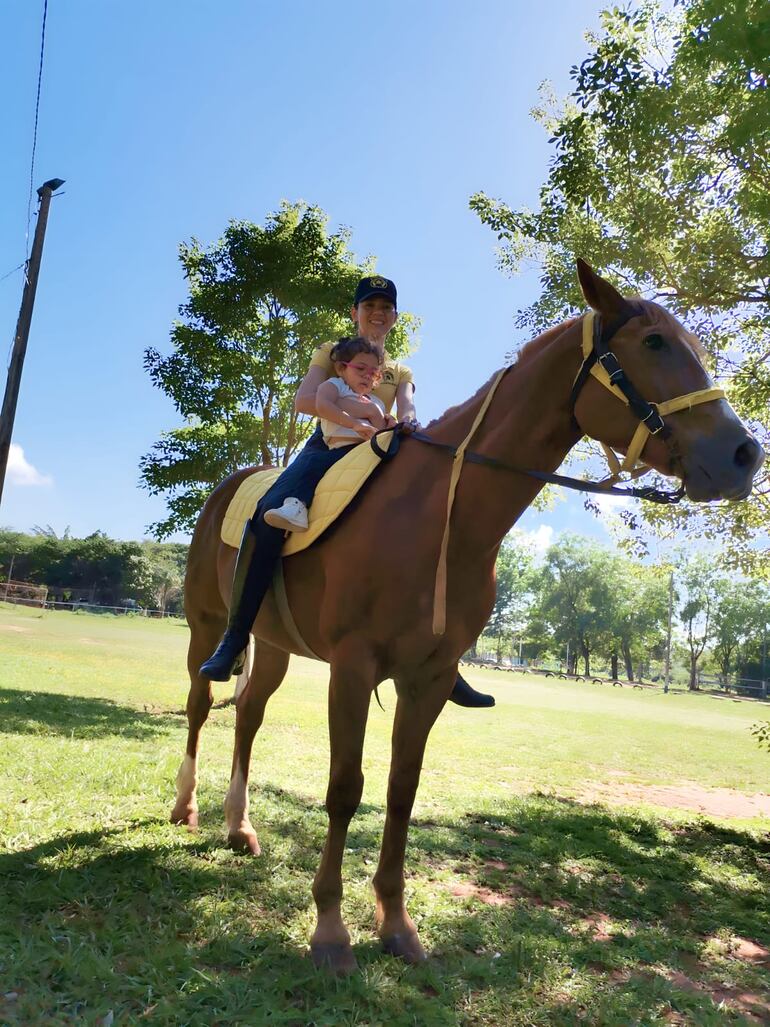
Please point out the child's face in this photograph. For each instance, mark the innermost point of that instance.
(361, 373)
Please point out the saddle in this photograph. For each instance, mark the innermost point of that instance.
(337, 488)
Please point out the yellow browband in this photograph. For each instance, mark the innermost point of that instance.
(631, 463)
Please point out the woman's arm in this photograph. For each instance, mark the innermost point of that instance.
(327, 406)
(304, 401)
(405, 410)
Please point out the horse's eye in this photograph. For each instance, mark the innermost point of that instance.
(654, 341)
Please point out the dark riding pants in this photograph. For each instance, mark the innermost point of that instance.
(300, 479)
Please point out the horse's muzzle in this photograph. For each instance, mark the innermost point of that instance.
(722, 469)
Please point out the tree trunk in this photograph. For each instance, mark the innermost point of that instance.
(614, 664)
(628, 662)
(693, 683)
(586, 658)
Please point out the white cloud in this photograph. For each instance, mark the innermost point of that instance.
(21, 472)
(611, 504)
(540, 539)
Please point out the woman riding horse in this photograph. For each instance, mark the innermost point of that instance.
(375, 312)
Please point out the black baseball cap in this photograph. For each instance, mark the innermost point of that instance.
(375, 285)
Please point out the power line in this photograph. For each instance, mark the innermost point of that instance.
(37, 113)
(13, 269)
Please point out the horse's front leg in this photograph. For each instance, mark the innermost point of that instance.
(267, 672)
(418, 706)
(350, 689)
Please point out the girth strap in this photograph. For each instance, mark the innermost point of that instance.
(282, 602)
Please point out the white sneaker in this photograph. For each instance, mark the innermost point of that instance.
(292, 516)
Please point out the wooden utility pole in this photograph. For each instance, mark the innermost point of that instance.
(45, 192)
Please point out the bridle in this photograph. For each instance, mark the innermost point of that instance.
(601, 362)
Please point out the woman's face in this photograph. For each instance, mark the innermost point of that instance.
(375, 317)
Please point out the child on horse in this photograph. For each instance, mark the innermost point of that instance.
(374, 312)
(358, 364)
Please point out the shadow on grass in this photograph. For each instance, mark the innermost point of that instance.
(534, 915)
(49, 713)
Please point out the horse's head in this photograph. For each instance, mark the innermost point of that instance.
(701, 440)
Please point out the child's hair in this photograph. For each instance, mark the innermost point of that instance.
(350, 346)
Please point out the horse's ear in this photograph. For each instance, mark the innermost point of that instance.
(599, 294)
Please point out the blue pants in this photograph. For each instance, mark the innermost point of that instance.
(300, 479)
(302, 476)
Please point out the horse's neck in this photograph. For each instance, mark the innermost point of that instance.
(528, 425)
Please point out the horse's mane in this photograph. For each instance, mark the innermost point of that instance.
(527, 351)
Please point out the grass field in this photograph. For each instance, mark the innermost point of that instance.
(538, 905)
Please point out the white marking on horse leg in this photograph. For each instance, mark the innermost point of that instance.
(187, 782)
(237, 803)
(185, 809)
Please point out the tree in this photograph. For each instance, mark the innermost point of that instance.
(514, 569)
(158, 576)
(574, 596)
(697, 581)
(261, 300)
(740, 609)
(659, 177)
(636, 612)
(110, 571)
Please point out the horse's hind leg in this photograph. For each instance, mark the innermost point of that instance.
(205, 630)
(416, 712)
(268, 671)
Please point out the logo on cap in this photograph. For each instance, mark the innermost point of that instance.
(378, 283)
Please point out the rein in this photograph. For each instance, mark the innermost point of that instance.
(601, 362)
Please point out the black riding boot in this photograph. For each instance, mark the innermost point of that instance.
(245, 600)
(464, 695)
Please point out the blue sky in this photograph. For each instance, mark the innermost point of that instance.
(168, 119)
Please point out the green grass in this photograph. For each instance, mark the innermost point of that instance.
(537, 909)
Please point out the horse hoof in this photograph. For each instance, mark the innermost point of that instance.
(183, 815)
(244, 841)
(336, 959)
(406, 947)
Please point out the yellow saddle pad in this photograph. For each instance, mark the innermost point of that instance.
(335, 490)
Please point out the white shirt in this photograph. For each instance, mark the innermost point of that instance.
(335, 435)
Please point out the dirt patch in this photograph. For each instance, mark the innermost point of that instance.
(752, 1006)
(485, 895)
(12, 627)
(725, 803)
(599, 928)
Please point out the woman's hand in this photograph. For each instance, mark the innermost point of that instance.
(365, 429)
(409, 425)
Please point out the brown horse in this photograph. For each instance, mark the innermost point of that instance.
(363, 595)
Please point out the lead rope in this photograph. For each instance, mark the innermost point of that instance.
(439, 594)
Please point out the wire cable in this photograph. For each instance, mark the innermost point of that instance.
(13, 269)
(37, 114)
